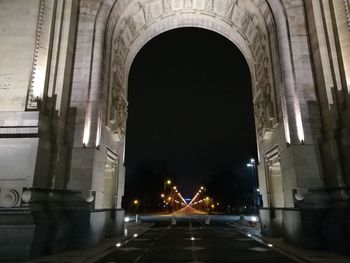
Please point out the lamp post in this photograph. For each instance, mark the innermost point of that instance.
(251, 164)
(167, 183)
(136, 203)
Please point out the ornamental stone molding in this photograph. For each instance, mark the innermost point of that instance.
(263, 111)
(10, 197)
(119, 115)
(41, 53)
(138, 17)
(347, 10)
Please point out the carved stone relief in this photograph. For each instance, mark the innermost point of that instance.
(166, 6)
(232, 12)
(209, 5)
(347, 10)
(131, 25)
(10, 197)
(231, 6)
(119, 114)
(187, 4)
(263, 110)
(5, 81)
(145, 11)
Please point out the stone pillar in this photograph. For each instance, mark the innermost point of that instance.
(328, 35)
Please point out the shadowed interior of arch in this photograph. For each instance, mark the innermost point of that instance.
(190, 118)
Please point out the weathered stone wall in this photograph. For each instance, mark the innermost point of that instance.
(90, 138)
(17, 33)
(18, 128)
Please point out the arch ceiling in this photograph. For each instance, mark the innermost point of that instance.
(247, 23)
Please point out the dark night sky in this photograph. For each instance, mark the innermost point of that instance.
(190, 107)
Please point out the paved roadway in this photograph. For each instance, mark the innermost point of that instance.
(191, 240)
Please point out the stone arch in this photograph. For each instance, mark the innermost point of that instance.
(122, 27)
(239, 21)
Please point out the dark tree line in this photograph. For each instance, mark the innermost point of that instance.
(145, 183)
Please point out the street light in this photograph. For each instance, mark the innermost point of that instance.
(166, 183)
(136, 204)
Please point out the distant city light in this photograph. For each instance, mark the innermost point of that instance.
(127, 219)
(269, 245)
(118, 244)
(135, 235)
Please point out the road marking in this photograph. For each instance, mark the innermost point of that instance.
(141, 239)
(259, 249)
(128, 249)
(152, 244)
(244, 239)
(193, 247)
(196, 238)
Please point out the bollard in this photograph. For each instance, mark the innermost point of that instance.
(207, 220)
(136, 219)
(173, 221)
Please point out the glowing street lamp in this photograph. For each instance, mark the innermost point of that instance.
(136, 203)
(162, 195)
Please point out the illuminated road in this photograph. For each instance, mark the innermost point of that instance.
(188, 210)
(191, 240)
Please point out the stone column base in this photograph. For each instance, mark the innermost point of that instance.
(315, 228)
(54, 221)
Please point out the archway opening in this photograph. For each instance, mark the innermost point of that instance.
(190, 120)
